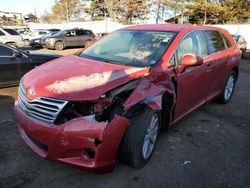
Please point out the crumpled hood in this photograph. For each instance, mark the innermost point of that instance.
(76, 78)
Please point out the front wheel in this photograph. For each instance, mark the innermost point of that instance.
(59, 46)
(140, 138)
(228, 90)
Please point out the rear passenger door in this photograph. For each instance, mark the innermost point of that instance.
(88, 35)
(80, 37)
(217, 51)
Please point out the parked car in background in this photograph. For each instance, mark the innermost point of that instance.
(14, 63)
(114, 98)
(11, 38)
(33, 35)
(68, 38)
(242, 43)
(37, 42)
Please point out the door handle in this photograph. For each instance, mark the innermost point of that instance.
(208, 66)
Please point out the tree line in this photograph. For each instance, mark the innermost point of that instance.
(129, 11)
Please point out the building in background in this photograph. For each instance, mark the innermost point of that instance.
(11, 18)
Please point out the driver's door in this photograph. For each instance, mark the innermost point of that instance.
(192, 82)
(9, 67)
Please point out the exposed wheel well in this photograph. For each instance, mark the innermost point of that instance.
(236, 70)
(59, 41)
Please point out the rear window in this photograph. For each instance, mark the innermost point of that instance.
(11, 31)
(215, 41)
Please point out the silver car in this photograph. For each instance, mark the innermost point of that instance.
(68, 38)
(11, 38)
(242, 43)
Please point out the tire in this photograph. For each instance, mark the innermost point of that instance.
(228, 90)
(137, 137)
(59, 46)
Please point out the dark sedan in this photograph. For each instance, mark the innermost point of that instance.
(14, 63)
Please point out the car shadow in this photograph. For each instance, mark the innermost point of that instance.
(6, 104)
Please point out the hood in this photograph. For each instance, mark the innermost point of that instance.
(40, 57)
(76, 78)
(42, 54)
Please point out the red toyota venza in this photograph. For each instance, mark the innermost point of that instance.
(110, 102)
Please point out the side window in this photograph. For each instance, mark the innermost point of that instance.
(11, 31)
(2, 33)
(42, 33)
(193, 43)
(5, 51)
(228, 43)
(87, 32)
(79, 32)
(215, 41)
(71, 33)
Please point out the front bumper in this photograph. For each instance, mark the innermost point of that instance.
(73, 142)
(20, 44)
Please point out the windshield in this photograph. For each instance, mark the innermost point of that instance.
(131, 47)
(50, 34)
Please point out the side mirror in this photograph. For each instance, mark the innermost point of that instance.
(17, 54)
(191, 60)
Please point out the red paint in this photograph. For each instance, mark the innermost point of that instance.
(78, 79)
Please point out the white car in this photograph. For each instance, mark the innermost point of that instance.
(11, 38)
(34, 35)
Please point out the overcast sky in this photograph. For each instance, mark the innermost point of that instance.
(26, 6)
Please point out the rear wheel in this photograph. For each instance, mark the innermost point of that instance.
(227, 93)
(140, 138)
(59, 45)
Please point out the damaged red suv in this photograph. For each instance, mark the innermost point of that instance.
(110, 102)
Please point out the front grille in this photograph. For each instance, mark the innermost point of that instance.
(41, 108)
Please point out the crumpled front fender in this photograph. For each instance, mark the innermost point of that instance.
(150, 91)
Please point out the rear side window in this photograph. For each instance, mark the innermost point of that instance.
(79, 32)
(87, 32)
(228, 43)
(215, 41)
(11, 31)
(1, 33)
(5, 51)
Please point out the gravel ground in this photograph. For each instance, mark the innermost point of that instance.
(209, 148)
